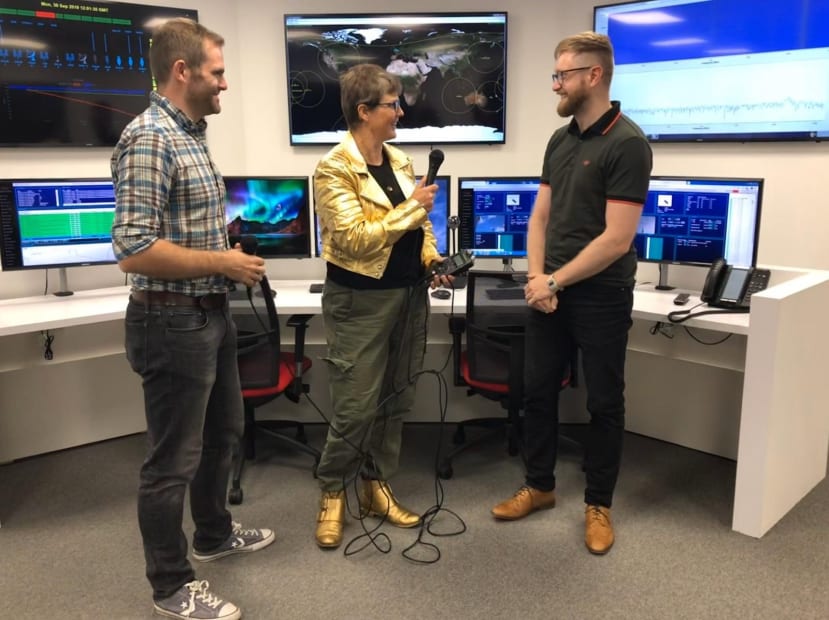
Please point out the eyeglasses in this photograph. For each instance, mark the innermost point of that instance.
(560, 76)
(392, 105)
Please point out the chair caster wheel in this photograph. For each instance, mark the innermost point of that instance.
(445, 471)
(235, 496)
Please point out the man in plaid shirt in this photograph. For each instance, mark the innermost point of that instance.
(169, 232)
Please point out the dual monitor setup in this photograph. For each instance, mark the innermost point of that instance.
(59, 223)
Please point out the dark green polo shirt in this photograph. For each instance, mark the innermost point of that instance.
(611, 160)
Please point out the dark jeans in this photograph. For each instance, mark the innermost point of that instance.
(187, 360)
(597, 319)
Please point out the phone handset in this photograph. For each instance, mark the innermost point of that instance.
(713, 281)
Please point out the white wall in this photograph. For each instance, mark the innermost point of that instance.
(250, 136)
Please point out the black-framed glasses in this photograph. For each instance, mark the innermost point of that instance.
(392, 105)
(560, 76)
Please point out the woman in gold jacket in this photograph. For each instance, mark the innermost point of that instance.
(378, 245)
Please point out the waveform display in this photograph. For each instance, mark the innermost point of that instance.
(787, 109)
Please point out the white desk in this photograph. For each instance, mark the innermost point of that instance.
(784, 425)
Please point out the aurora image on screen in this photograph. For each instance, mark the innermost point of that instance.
(452, 67)
(274, 210)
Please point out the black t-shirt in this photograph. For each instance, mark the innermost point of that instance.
(404, 267)
(611, 160)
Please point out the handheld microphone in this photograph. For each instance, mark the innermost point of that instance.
(435, 160)
(249, 245)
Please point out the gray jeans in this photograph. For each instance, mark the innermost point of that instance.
(376, 345)
(186, 358)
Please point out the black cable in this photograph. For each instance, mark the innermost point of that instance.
(688, 331)
(372, 536)
(48, 339)
(680, 316)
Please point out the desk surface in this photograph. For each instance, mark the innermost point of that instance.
(32, 314)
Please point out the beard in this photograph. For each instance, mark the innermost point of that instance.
(571, 104)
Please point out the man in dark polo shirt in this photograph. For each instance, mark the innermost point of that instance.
(581, 268)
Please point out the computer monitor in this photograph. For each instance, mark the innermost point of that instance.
(696, 220)
(439, 216)
(276, 210)
(46, 223)
(494, 213)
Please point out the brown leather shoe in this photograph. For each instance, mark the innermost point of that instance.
(330, 519)
(377, 500)
(598, 531)
(525, 501)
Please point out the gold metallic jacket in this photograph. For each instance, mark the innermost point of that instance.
(358, 223)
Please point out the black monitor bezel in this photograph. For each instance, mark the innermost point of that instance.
(292, 136)
(469, 226)
(758, 218)
(16, 226)
(308, 252)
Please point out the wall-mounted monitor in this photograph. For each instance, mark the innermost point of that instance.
(494, 213)
(439, 216)
(691, 70)
(276, 210)
(696, 220)
(452, 66)
(74, 74)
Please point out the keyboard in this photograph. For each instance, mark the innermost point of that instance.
(512, 292)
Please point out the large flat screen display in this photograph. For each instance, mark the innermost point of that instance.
(56, 223)
(276, 210)
(74, 73)
(696, 220)
(452, 66)
(721, 70)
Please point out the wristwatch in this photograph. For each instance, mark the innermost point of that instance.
(553, 285)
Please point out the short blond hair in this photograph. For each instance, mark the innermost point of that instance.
(590, 42)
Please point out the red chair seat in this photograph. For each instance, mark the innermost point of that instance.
(286, 375)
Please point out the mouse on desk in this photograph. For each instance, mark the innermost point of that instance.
(441, 293)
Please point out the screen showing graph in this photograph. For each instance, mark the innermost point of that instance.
(494, 214)
(74, 74)
(56, 223)
(696, 220)
(690, 71)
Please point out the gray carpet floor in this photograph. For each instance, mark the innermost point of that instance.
(70, 548)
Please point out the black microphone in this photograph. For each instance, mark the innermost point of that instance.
(249, 245)
(435, 160)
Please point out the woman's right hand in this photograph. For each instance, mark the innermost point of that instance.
(425, 194)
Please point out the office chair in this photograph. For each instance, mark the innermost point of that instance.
(266, 371)
(492, 365)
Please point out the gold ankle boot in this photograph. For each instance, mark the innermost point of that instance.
(331, 519)
(376, 499)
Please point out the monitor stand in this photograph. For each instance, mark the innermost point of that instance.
(663, 278)
(63, 286)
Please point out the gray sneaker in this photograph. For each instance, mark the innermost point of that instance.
(240, 541)
(193, 600)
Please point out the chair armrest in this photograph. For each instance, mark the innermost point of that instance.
(300, 324)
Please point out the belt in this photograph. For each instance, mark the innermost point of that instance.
(167, 298)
